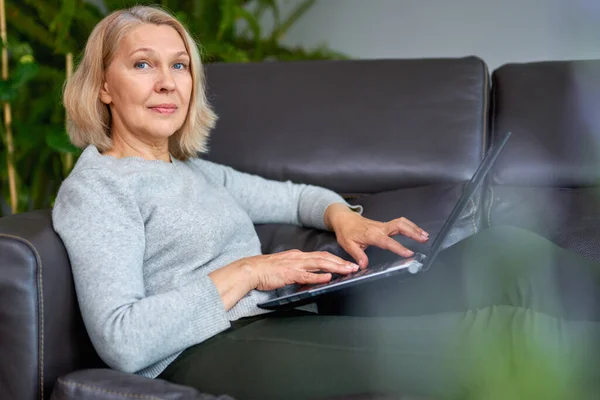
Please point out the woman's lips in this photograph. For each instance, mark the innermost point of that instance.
(165, 110)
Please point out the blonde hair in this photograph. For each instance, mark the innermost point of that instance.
(89, 119)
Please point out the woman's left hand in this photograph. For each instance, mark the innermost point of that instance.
(355, 233)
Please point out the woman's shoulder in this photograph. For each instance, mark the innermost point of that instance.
(93, 196)
(116, 171)
(95, 178)
(92, 192)
(91, 169)
(201, 163)
(211, 171)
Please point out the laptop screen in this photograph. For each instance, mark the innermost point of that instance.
(468, 192)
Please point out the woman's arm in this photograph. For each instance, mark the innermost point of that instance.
(99, 222)
(269, 201)
(233, 282)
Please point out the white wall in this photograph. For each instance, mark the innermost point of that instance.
(498, 31)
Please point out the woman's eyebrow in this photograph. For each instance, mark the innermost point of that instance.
(182, 53)
(149, 50)
(142, 49)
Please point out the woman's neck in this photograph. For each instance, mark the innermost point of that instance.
(136, 148)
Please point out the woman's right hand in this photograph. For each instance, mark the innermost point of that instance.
(273, 271)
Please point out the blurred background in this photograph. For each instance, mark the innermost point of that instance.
(497, 31)
(44, 38)
(43, 42)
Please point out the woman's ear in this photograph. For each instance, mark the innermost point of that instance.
(105, 96)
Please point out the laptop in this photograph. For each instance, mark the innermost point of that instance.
(292, 296)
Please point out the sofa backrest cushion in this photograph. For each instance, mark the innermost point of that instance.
(568, 217)
(552, 110)
(354, 126)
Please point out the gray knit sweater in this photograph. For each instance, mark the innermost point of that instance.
(142, 237)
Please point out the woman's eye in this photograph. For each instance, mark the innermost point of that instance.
(179, 66)
(141, 64)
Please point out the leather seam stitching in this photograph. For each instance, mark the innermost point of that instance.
(41, 305)
(86, 386)
(38, 260)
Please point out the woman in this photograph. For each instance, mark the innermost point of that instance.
(168, 268)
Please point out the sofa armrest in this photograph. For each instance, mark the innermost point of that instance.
(108, 384)
(41, 330)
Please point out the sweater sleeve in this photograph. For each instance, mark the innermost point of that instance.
(270, 201)
(98, 219)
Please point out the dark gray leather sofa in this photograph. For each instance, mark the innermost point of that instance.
(399, 137)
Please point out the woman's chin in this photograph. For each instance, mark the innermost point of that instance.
(164, 132)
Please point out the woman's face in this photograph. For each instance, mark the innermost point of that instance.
(148, 84)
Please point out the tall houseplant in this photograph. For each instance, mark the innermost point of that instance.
(41, 38)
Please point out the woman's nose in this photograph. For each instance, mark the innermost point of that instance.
(165, 81)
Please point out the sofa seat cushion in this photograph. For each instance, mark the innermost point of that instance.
(568, 217)
(427, 206)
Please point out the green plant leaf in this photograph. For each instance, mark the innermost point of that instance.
(16, 50)
(57, 139)
(182, 17)
(87, 16)
(294, 16)
(250, 19)
(258, 11)
(205, 18)
(61, 25)
(39, 183)
(8, 93)
(227, 18)
(28, 25)
(113, 5)
(28, 140)
(45, 10)
(26, 70)
(214, 51)
(264, 5)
